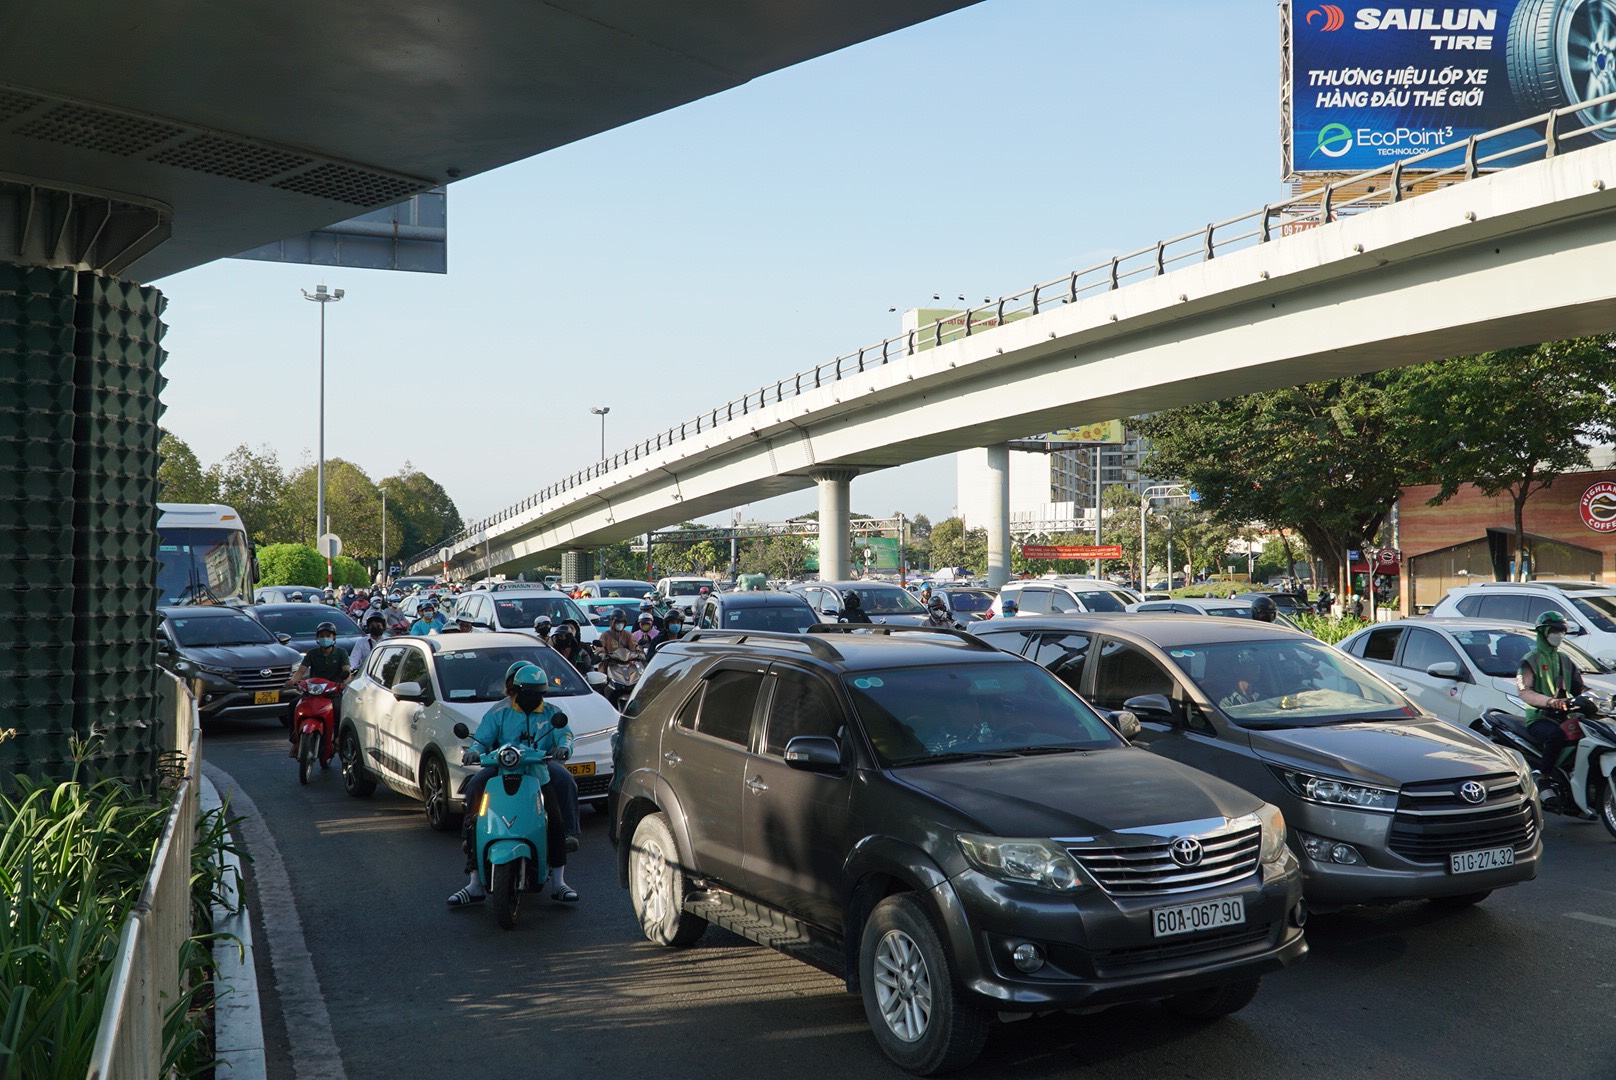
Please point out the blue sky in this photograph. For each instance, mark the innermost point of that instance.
(670, 265)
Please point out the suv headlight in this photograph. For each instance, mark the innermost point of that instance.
(1523, 769)
(1332, 792)
(1273, 833)
(1042, 864)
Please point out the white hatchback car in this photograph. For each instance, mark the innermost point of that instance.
(399, 713)
(1457, 669)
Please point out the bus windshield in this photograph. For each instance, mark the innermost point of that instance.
(202, 565)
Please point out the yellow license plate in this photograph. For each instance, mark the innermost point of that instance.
(581, 768)
(266, 697)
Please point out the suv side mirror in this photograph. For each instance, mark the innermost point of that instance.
(1447, 669)
(1127, 723)
(1150, 707)
(164, 646)
(1574, 628)
(411, 691)
(284, 639)
(462, 731)
(814, 753)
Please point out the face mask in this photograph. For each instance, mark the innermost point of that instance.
(674, 628)
(529, 698)
(618, 626)
(375, 631)
(1554, 637)
(562, 639)
(326, 642)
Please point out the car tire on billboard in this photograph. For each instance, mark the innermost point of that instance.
(1563, 52)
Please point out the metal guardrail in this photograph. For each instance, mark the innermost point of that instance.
(146, 977)
(1457, 162)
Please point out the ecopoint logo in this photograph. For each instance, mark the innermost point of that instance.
(1331, 18)
(1334, 140)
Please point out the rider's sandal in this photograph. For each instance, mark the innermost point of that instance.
(465, 898)
(565, 896)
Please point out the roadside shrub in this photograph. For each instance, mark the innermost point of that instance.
(1329, 628)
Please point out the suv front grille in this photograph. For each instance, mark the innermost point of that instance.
(1148, 868)
(254, 679)
(1433, 822)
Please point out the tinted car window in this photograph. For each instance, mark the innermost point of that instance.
(785, 618)
(1537, 605)
(1510, 607)
(887, 600)
(1497, 653)
(1062, 604)
(217, 630)
(299, 622)
(1102, 600)
(916, 714)
(1470, 606)
(1062, 653)
(1126, 671)
(969, 601)
(385, 666)
(800, 706)
(1382, 644)
(658, 677)
(412, 669)
(1425, 648)
(726, 706)
(1596, 611)
(1031, 601)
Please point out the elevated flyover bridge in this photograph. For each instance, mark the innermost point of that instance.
(1491, 260)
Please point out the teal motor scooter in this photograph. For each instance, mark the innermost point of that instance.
(511, 826)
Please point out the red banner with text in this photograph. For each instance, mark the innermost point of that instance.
(1071, 551)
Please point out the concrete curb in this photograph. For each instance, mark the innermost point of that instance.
(238, 1026)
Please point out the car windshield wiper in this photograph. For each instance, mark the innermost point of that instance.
(1029, 751)
(955, 755)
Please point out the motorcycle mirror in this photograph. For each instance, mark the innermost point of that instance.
(559, 720)
(462, 731)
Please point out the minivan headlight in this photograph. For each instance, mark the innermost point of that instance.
(1333, 792)
(1042, 864)
(1273, 833)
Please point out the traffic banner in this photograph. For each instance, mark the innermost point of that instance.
(1071, 551)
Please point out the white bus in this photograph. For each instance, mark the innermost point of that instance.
(203, 555)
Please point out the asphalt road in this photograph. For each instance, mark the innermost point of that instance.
(1522, 986)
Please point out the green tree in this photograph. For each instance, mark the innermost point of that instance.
(353, 504)
(179, 474)
(783, 556)
(619, 560)
(1119, 524)
(290, 564)
(422, 509)
(254, 483)
(1511, 421)
(1325, 459)
(954, 545)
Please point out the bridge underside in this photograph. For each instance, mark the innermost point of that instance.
(1513, 259)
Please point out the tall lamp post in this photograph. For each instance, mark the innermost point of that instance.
(601, 411)
(1157, 491)
(322, 297)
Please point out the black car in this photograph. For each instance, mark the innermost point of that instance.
(297, 623)
(787, 613)
(882, 601)
(235, 666)
(949, 829)
(966, 604)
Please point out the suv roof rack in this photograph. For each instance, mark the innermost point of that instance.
(887, 630)
(1546, 583)
(822, 649)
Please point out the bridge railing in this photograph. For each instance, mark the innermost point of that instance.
(1534, 138)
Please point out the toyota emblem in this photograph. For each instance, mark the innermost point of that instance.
(1186, 851)
(266, 672)
(1471, 791)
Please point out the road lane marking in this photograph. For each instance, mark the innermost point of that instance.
(1582, 917)
(308, 1025)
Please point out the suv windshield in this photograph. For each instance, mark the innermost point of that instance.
(301, 621)
(890, 600)
(1598, 611)
(479, 674)
(918, 714)
(220, 630)
(520, 611)
(687, 586)
(1285, 684)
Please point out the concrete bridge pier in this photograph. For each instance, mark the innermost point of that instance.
(834, 558)
(998, 523)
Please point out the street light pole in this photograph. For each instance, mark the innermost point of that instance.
(601, 411)
(1157, 491)
(322, 297)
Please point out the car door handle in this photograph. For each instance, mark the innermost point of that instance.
(671, 758)
(757, 785)
(1400, 685)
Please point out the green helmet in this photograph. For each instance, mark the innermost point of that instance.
(1550, 620)
(529, 675)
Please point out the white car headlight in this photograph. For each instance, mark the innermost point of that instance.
(1273, 833)
(1042, 864)
(1333, 792)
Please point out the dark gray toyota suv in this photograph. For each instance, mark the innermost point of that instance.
(950, 829)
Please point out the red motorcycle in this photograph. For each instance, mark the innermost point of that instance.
(314, 724)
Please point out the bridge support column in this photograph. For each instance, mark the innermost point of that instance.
(834, 487)
(998, 522)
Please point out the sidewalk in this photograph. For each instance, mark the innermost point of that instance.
(238, 1029)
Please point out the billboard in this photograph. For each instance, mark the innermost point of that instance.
(952, 324)
(1071, 551)
(1370, 85)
